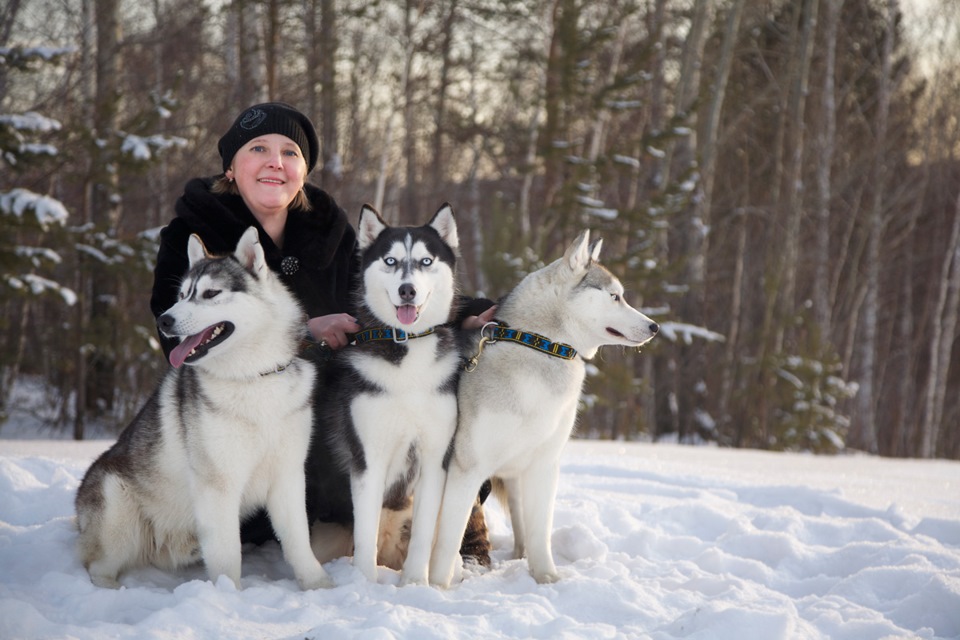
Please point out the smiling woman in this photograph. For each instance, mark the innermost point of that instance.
(269, 172)
(266, 156)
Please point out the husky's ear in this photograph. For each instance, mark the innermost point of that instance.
(595, 247)
(370, 226)
(196, 250)
(577, 256)
(445, 224)
(250, 252)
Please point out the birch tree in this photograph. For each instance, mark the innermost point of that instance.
(942, 340)
(825, 147)
(864, 432)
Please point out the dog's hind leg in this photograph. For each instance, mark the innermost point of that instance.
(286, 504)
(459, 495)
(110, 533)
(513, 489)
(367, 488)
(538, 487)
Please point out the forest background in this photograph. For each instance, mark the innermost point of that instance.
(777, 183)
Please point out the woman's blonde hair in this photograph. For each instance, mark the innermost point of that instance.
(225, 186)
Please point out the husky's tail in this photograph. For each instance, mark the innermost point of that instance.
(476, 539)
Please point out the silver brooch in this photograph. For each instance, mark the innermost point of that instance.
(289, 265)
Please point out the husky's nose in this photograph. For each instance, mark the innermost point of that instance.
(654, 327)
(165, 322)
(407, 292)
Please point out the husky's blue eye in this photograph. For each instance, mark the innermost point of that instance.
(615, 296)
(390, 262)
(426, 262)
(211, 293)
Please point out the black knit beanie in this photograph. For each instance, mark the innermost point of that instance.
(266, 118)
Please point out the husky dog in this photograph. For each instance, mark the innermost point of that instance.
(390, 406)
(218, 438)
(518, 405)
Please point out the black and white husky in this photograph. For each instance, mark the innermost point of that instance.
(519, 403)
(219, 438)
(389, 407)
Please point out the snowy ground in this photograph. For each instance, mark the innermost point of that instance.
(652, 541)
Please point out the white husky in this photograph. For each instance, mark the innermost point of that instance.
(518, 407)
(218, 439)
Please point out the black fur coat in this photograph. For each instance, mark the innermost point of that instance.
(319, 248)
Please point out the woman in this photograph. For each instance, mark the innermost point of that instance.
(306, 236)
(267, 154)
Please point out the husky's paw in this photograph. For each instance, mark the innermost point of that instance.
(406, 579)
(323, 582)
(444, 580)
(547, 577)
(105, 582)
(318, 581)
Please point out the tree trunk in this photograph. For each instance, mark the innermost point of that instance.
(411, 189)
(864, 429)
(438, 161)
(941, 341)
(244, 64)
(826, 142)
(104, 212)
(793, 169)
(332, 171)
(686, 373)
(711, 121)
(562, 56)
(271, 48)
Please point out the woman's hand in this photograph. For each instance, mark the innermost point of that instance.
(332, 329)
(477, 322)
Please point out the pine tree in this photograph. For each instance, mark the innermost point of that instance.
(28, 220)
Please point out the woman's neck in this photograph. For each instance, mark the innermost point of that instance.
(274, 225)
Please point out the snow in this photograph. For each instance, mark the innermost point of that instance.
(674, 331)
(602, 212)
(139, 147)
(30, 121)
(47, 210)
(627, 160)
(656, 153)
(38, 285)
(652, 541)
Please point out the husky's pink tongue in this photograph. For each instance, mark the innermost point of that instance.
(182, 350)
(407, 314)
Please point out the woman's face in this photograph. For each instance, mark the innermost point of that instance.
(269, 171)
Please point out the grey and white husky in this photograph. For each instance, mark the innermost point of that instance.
(389, 407)
(219, 438)
(518, 406)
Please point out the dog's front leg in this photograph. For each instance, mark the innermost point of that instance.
(515, 504)
(538, 487)
(426, 509)
(286, 505)
(367, 488)
(459, 494)
(217, 514)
